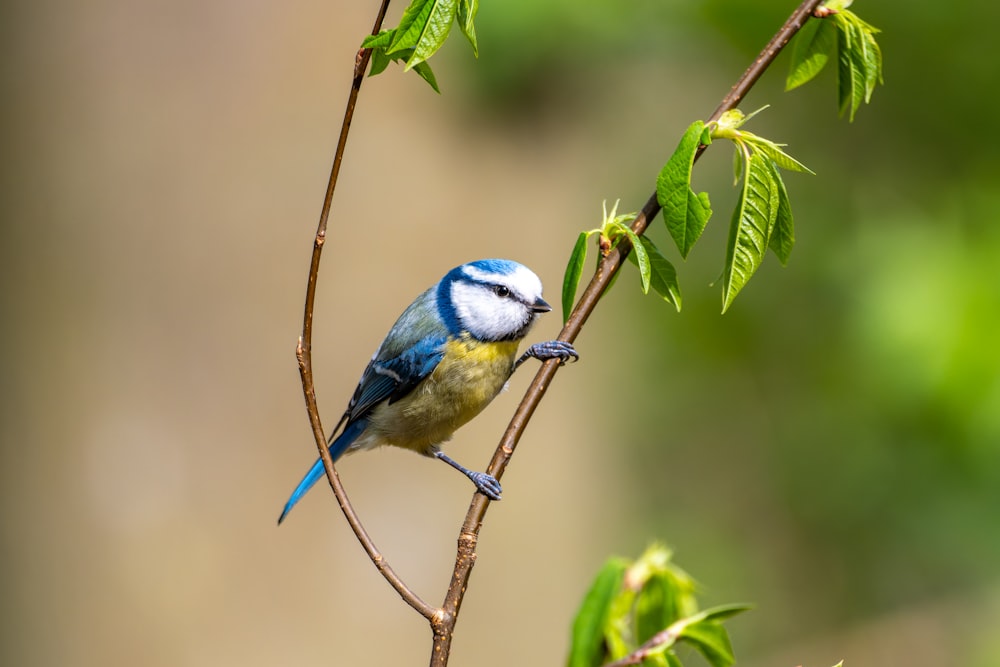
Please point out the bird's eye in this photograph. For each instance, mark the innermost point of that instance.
(501, 291)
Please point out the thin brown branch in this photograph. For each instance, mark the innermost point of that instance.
(303, 352)
(443, 625)
(666, 636)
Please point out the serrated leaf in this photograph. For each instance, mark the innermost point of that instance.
(775, 153)
(436, 31)
(380, 60)
(587, 642)
(425, 72)
(851, 66)
(379, 41)
(467, 10)
(753, 217)
(811, 50)
(685, 212)
(574, 269)
(845, 72)
(712, 641)
(859, 61)
(873, 60)
(782, 237)
(424, 28)
(641, 258)
(663, 275)
(411, 25)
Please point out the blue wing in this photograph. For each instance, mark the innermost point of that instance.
(384, 379)
(393, 378)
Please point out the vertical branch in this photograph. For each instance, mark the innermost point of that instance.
(443, 624)
(303, 351)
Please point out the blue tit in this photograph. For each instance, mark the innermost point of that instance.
(447, 356)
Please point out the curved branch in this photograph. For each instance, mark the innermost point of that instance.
(303, 351)
(443, 625)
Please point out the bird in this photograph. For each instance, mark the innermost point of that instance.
(445, 359)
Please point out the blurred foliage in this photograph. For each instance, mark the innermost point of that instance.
(831, 447)
(638, 612)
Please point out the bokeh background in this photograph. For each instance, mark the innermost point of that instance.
(829, 449)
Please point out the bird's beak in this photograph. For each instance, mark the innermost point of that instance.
(540, 306)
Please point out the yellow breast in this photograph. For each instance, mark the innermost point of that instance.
(469, 376)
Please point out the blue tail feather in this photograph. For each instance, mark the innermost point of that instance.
(316, 472)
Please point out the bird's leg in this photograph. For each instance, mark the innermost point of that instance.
(550, 349)
(487, 484)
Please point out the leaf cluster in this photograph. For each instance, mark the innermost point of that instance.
(422, 30)
(835, 30)
(762, 219)
(636, 613)
(655, 270)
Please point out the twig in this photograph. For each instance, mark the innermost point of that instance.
(443, 624)
(303, 351)
(667, 635)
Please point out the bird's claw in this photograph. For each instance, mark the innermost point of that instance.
(553, 349)
(486, 484)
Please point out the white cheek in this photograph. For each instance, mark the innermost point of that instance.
(486, 315)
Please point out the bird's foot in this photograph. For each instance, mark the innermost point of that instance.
(550, 349)
(486, 484)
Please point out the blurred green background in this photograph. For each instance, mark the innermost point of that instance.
(829, 449)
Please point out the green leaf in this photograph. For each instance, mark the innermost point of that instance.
(811, 50)
(424, 28)
(654, 608)
(656, 660)
(685, 212)
(782, 237)
(663, 276)
(378, 62)
(712, 641)
(859, 61)
(411, 25)
(379, 41)
(754, 216)
(774, 152)
(705, 631)
(874, 74)
(672, 659)
(436, 31)
(379, 44)
(871, 55)
(424, 71)
(574, 269)
(467, 10)
(721, 612)
(587, 643)
(851, 66)
(641, 258)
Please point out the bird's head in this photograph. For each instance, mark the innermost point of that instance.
(492, 299)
